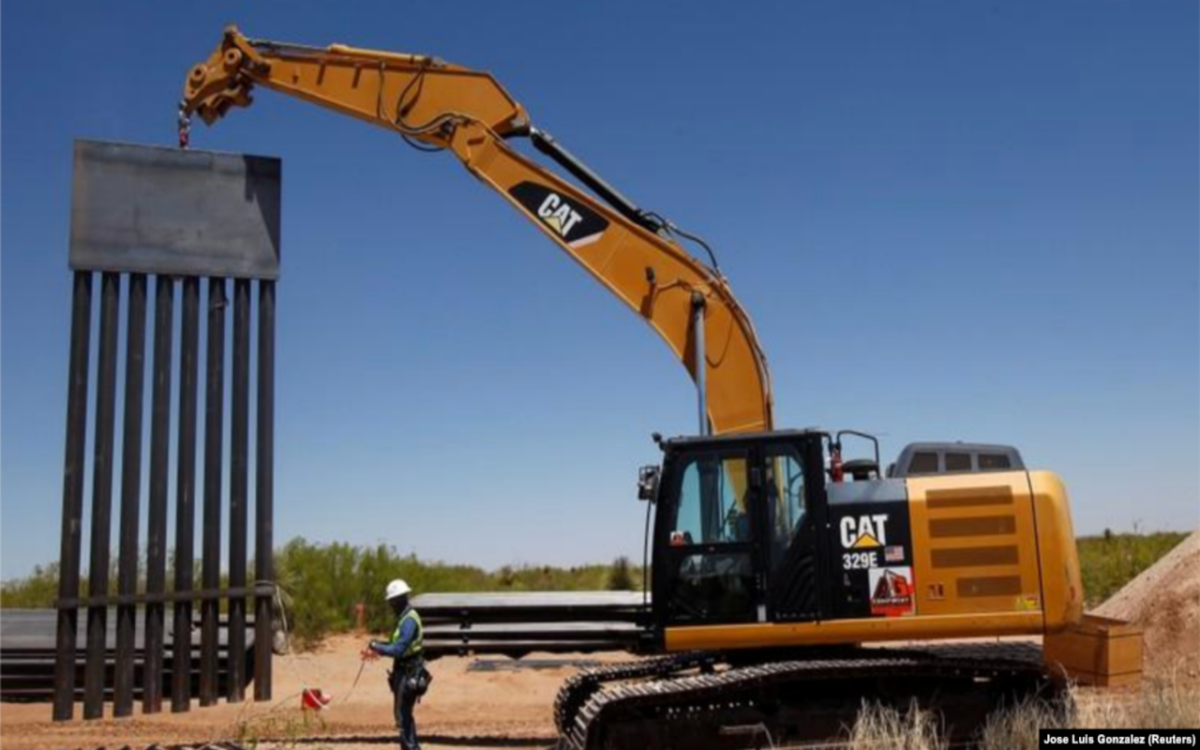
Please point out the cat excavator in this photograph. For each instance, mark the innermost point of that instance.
(788, 585)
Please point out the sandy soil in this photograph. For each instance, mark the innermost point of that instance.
(480, 709)
(1165, 601)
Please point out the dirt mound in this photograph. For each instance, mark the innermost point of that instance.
(1165, 601)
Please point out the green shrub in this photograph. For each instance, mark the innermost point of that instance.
(324, 582)
(1109, 561)
(38, 590)
(620, 575)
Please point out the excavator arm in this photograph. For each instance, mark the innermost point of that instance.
(439, 106)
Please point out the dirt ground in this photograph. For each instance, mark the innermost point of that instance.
(1165, 601)
(480, 709)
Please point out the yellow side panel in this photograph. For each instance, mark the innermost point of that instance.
(1061, 583)
(974, 544)
(984, 565)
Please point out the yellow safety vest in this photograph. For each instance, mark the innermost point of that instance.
(414, 646)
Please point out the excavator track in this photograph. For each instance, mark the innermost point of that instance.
(583, 685)
(701, 701)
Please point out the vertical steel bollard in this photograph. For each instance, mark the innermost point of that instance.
(72, 521)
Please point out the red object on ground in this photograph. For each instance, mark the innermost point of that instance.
(314, 699)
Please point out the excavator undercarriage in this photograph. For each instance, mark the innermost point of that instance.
(703, 700)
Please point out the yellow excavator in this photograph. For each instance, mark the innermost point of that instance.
(778, 568)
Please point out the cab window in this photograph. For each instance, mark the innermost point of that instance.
(785, 500)
(713, 502)
(709, 560)
(957, 462)
(923, 462)
(994, 462)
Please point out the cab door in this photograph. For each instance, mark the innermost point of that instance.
(707, 563)
(794, 511)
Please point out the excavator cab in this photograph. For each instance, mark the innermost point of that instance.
(769, 539)
(735, 533)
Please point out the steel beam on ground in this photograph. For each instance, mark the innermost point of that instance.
(533, 607)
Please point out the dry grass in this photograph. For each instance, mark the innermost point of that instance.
(1017, 728)
(1168, 704)
(277, 729)
(888, 728)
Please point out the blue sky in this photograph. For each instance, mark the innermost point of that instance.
(948, 220)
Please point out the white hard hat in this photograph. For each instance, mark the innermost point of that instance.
(397, 588)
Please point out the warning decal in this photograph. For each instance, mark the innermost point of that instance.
(892, 591)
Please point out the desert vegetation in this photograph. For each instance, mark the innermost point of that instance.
(1111, 560)
(321, 584)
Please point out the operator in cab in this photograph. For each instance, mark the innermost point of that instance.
(408, 679)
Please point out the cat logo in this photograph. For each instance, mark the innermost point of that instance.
(558, 214)
(575, 224)
(864, 532)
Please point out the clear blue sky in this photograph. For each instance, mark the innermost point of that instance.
(949, 220)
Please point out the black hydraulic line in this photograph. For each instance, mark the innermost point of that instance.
(543, 142)
(73, 467)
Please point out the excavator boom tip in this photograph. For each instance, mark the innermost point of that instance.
(221, 82)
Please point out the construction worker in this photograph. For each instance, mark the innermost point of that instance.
(408, 678)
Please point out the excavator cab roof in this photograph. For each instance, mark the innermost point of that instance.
(920, 459)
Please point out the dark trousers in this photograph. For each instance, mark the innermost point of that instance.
(403, 701)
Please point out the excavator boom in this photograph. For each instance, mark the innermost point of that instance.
(440, 106)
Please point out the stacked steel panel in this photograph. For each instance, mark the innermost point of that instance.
(517, 624)
(28, 655)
